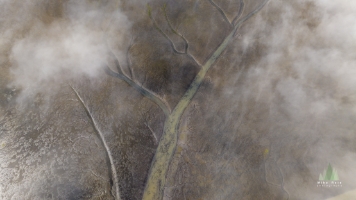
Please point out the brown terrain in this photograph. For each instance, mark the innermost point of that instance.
(267, 118)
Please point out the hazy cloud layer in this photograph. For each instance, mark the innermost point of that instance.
(294, 91)
(55, 42)
(304, 79)
(307, 77)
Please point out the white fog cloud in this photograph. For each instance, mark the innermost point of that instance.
(44, 54)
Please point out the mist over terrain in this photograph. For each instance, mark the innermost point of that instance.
(274, 110)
